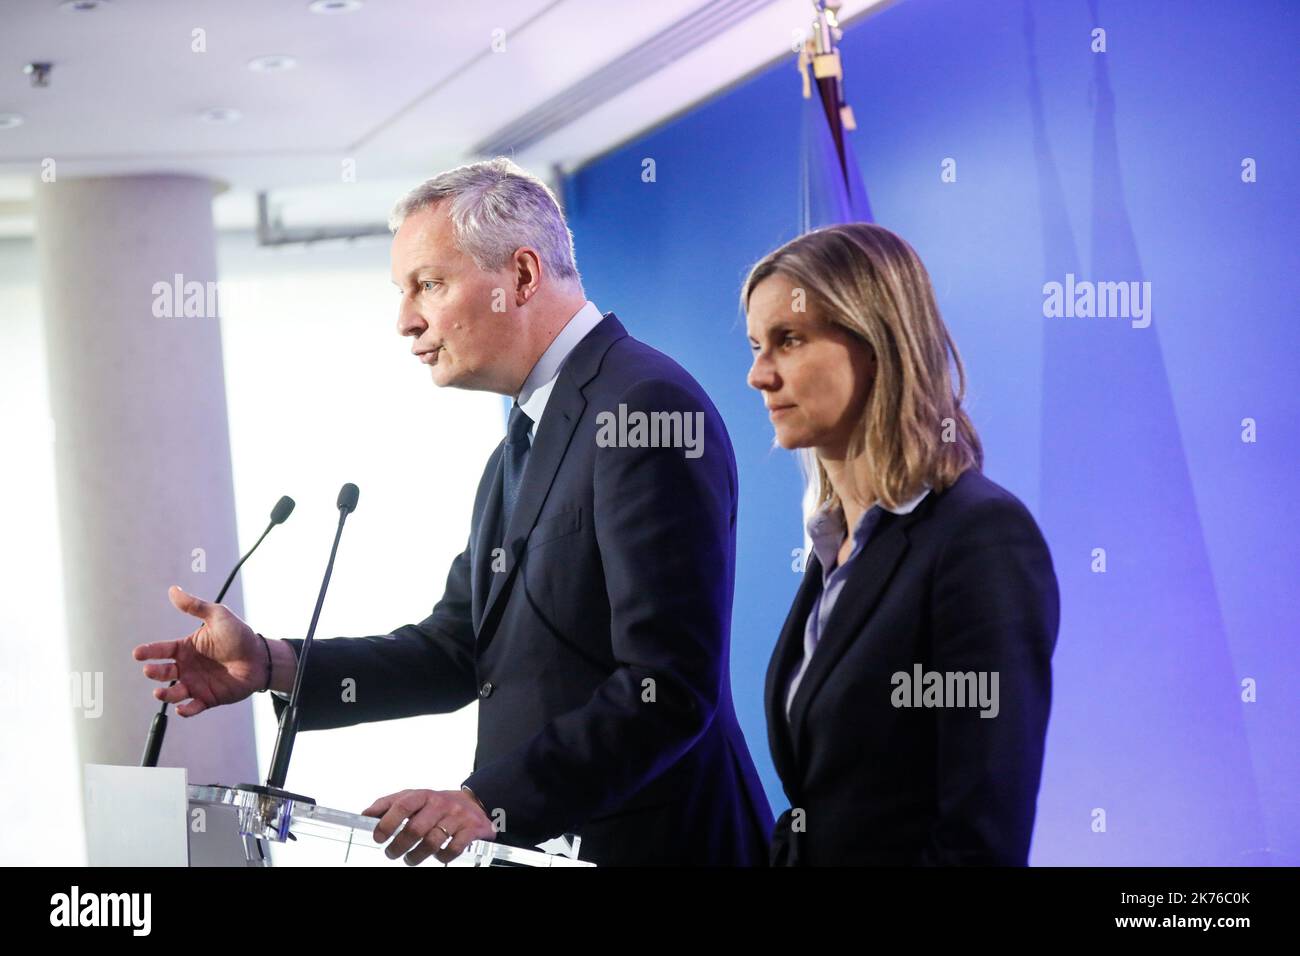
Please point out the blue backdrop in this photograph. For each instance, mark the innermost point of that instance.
(1156, 459)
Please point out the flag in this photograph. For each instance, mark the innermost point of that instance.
(831, 186)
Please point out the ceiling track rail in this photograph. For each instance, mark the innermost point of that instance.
(274, 234)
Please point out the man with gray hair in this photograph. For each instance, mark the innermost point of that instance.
(590, 611)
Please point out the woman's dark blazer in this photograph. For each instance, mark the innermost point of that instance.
(962, 584)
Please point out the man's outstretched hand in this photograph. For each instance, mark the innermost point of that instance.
(221, 662)
(440, 823)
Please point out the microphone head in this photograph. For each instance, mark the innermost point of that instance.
(283, 508)
(348, 498)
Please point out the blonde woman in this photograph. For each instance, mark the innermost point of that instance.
(908, 695)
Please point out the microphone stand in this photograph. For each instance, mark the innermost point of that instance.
(158, 726)
(288, 732)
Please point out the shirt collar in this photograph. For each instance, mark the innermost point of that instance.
(533, 396)
(826, 527)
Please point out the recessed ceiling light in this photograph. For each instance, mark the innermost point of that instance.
(10, 120)
(82, 6)
(334, 6)
(221, 114)
(272, 64)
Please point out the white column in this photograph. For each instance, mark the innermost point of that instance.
(142, 453)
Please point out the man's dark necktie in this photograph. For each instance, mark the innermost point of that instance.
(515, 458)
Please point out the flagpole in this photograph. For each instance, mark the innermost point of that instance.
(821, 53)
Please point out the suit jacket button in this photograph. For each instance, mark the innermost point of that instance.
(485, 691)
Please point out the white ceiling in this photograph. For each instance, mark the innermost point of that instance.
(402, 87)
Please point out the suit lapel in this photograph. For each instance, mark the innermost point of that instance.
(564, 410)
(487, 538)
(871, 572)
(785, 656)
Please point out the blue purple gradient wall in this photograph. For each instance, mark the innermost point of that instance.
(1122, 166)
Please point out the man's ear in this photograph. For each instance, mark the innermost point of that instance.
(528, 275)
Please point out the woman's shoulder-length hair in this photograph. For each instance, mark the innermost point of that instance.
(871, 282)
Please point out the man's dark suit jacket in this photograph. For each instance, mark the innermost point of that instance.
(599, 653)
(964, 583)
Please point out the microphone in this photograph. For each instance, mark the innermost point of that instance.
(158, 728)
(284, 740)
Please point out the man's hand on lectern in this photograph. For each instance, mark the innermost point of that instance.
(440, 823)
(221, 662)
